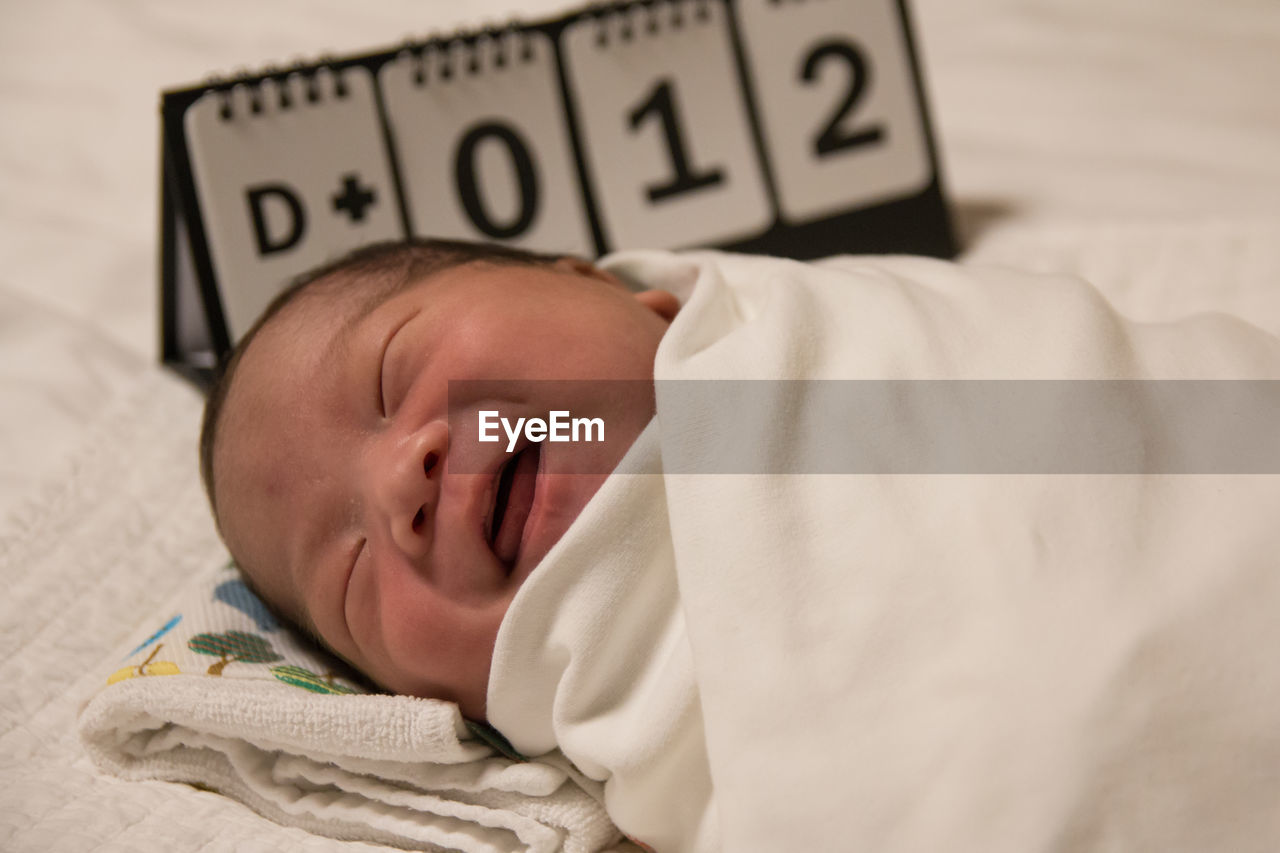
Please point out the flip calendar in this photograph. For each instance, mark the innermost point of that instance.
(790, 127)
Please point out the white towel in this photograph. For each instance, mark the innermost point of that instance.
(217, 694)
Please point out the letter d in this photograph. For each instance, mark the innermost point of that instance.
(297, 226)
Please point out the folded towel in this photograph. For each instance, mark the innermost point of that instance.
(218, 694)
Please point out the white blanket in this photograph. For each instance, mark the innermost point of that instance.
(913, 662)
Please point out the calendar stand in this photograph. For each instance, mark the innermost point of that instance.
(784, 127)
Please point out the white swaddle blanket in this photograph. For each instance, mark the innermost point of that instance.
(915, 660)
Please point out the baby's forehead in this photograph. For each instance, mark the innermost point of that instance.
(345, 296)
(350, 296)
(310, 326)
(316, 321)
(287, 351)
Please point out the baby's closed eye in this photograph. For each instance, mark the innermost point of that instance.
(387, 397)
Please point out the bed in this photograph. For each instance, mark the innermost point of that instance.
(1136, 143)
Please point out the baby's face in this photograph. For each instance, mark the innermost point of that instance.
(343, 493)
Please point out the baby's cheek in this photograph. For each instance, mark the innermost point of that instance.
(412, 644)
(384, 611)
(566, 495)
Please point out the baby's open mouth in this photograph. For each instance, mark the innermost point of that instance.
(512, 502)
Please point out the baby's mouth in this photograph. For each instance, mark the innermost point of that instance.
(512, 503)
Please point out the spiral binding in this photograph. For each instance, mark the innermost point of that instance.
(278, 88)
(625, 23)
(444, 58)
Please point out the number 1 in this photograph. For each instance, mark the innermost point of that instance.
(662, 104)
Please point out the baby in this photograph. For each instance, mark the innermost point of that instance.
(934, 644)
(334, 478)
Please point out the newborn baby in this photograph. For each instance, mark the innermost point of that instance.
(864, 604)
(329, 464)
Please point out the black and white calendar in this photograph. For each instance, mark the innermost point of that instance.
(786, 127)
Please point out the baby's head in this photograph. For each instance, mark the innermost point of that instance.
(333, 475)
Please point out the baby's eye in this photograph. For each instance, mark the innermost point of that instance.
(385, 401)
(382, 376)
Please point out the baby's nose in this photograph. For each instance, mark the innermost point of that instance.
(412, 486)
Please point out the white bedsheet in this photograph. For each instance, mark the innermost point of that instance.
(1136, 142)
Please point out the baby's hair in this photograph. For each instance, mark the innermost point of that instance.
(374, 273)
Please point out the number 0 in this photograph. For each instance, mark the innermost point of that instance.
(464, 169)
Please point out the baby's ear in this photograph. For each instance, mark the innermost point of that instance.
(582, 266)
(660, 302)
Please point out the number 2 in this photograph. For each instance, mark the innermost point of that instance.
(832, 137)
